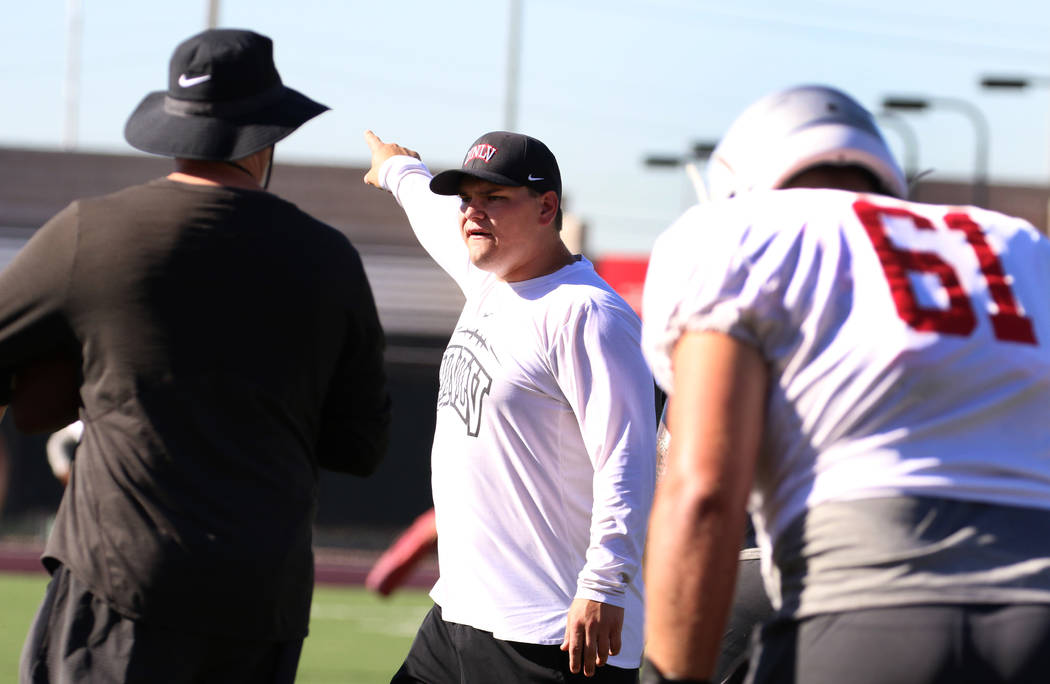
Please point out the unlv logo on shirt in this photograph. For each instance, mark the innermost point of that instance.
(464, 384)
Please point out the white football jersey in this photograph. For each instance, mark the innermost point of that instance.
(908, 344)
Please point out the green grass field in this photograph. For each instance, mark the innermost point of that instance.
(355, 637)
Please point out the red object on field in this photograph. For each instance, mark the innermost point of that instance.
(397, 562)
(626, 275)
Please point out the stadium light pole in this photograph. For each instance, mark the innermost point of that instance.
(212, 18)
(699, 151)
(980, 126)
(908, 136)
(74, 35)
(510, 106)
(1014, 82)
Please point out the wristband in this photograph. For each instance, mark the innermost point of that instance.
(652, 675)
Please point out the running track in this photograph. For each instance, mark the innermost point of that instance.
(331, 566)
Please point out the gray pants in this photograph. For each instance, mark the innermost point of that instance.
(750, 610)
(928, 644)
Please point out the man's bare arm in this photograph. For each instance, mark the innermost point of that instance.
(699, 513)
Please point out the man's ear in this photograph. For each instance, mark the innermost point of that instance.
(549, 203)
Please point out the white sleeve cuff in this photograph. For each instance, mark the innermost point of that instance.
(394, 170)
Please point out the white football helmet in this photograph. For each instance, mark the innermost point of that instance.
(792, 130)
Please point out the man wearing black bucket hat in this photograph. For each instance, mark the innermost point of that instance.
(227, 346)
(543, 462)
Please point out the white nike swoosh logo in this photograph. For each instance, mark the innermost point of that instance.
(533, 178)
(188, 82)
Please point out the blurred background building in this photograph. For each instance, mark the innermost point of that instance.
(418, 306)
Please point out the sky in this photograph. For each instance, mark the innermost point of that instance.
(605, 83)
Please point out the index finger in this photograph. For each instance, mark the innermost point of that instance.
(372, 140)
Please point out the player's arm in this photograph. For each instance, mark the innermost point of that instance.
(434, 218)
(61, 448)
(663, 443)
(396, 564)
(610, 389)
(381, 151)
(699, 513)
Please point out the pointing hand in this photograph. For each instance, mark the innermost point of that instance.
(382, 151)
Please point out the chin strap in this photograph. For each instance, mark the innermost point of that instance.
(240, 168)
(266, 174)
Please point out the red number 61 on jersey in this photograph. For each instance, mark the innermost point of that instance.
(958, 319)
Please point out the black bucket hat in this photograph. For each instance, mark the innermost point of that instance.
(225, 101)
(504, 159)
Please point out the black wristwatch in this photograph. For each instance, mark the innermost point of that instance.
(652, 675)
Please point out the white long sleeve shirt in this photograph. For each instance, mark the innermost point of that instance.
(543, 464)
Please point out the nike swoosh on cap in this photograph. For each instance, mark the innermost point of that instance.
(533, 178)
(190, 81)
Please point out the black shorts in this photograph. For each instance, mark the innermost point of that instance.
(76, 637)
(449, 653)
(927, 644)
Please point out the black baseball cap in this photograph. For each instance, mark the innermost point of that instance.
(505, 159)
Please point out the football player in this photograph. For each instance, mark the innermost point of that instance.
(809, 136)
(873, 373)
